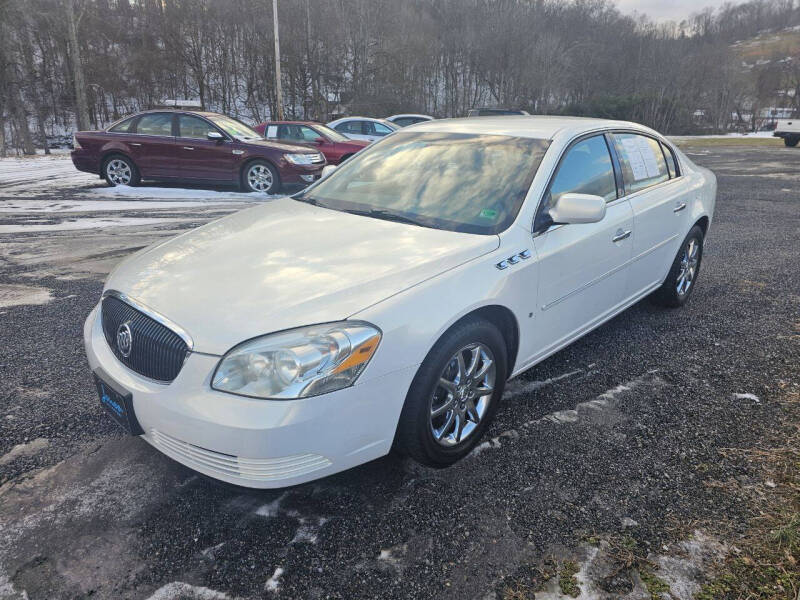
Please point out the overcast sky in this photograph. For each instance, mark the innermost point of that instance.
(660, 10)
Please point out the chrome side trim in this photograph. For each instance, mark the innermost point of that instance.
(609, 273)
(586, 285)
(156, 316)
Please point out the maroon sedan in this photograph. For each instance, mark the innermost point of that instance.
(335, 146)
(199, 147)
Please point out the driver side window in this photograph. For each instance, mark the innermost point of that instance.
(586, 168)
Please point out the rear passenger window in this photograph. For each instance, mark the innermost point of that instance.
(671, 162)
(350, 127)
(122, 126)
(642, 161)
(155, 124)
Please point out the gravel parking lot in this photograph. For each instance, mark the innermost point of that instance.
(621, 440)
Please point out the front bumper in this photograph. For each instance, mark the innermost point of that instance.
(250, 442)
(299, 174)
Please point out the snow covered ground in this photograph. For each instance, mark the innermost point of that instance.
(755, 134)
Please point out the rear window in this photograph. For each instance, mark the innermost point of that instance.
(672, 164)
(123, 126)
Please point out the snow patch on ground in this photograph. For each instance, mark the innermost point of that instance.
(755, 134)
(87, 223)
(309, 530)
(516, 387)
(62, 206)
(274, 582)
(126, 191)
(27, 449)
(603, 401)
(273, 508)
(685, 570)
(183, 591)
(18, 295)
(747, 396)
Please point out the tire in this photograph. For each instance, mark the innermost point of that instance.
(433, 440)
(791, 140)
(120, 170)
(683, 273)
(260, 176)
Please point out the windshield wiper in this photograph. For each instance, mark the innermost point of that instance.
(379, 213)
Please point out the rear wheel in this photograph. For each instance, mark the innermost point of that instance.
(454, 395)
(260, 176)
(120, 170)
(678, 286)
(791, 140)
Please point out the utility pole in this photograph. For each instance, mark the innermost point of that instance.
(277, 61)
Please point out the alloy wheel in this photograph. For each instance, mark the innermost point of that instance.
(259, 178)
(119, 172)
(688, 268)
(462, 395)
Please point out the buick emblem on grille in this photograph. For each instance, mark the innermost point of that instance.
(124, 340)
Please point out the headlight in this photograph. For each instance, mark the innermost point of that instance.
(75, 144)
(300, 362)
(298, 159)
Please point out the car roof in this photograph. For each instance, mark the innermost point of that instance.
(291, 123)
(531, 126)
(360, 119)
(409, 115)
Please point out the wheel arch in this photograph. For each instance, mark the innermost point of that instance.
(250, 160)
(106, 156)
(703, 223)
(501, 317)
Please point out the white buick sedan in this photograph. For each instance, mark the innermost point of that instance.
(387, 305)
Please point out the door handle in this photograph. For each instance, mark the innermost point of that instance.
(135, 144)
(621, 235)
(680, 207)
(188, 148)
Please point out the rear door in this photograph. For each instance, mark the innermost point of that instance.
(376, 131)
(583, 267)
(354, 130)
(152, 145)
(201, 158)
(659, 200)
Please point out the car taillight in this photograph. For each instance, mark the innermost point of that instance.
(75, 143)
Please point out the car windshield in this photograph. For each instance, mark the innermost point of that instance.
(454, 181)
(331, 134)
(235, 129)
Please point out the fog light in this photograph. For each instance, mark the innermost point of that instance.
(308, 178)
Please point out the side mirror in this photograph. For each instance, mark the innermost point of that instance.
(578, 208)
(215, 136)
(327, 170)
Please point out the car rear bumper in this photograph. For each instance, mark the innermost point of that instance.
(251, 442)
(85, 161)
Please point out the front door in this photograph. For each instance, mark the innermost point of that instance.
(201, 158)
(583, 268)
(659, 200)
(152, 146)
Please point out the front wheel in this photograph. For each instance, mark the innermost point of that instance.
(260, 176)
(680, 281)
(120, 170)
(454, 395)
(791, 140)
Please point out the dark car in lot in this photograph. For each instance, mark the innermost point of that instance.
(193, 146)
(335, 146)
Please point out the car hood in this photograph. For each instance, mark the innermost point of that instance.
(285, 264)
(354, 144)
(281, 146)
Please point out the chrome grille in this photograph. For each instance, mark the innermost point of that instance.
(156, 351)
